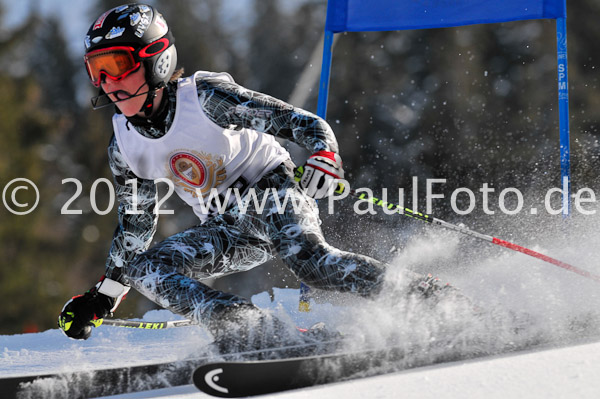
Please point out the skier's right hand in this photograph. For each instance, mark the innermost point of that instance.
(82, 312)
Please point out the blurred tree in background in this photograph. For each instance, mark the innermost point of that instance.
(471, 104)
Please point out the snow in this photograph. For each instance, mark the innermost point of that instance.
(570, 372)
(559, 373)
(539, 336)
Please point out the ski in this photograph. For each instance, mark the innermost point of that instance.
(102, 382)
(234, 379)
(258, 377)
(127, 379)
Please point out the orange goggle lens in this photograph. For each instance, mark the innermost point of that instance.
(115, 63)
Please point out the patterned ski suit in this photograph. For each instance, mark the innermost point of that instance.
(238, 239)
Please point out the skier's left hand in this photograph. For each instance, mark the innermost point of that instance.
(320, 173)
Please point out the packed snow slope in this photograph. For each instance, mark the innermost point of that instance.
(531, 330)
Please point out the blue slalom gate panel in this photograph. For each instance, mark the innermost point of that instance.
(386, 15)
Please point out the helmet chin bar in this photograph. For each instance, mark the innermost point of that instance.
(103, 100)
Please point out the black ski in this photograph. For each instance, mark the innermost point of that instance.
(127, 379)
(247, 378)
(103, 382)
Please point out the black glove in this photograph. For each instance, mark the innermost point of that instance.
(82, 312)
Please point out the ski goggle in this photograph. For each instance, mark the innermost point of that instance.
(115, 63)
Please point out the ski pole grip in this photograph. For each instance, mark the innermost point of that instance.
(298, 172)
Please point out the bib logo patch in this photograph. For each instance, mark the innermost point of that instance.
(188, 168)
(196, 173)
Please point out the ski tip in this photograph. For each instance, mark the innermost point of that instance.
(210, 379)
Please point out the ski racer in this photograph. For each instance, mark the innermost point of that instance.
(206, 135)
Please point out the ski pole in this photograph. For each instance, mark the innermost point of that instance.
(497, 241)
(433, 220)
(145, 325)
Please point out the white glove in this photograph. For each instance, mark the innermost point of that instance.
(321, 172)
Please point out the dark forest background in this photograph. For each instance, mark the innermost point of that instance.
(471, 104)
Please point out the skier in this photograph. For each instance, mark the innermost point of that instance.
(206, 134)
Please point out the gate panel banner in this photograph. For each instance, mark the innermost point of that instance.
(386, 15)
